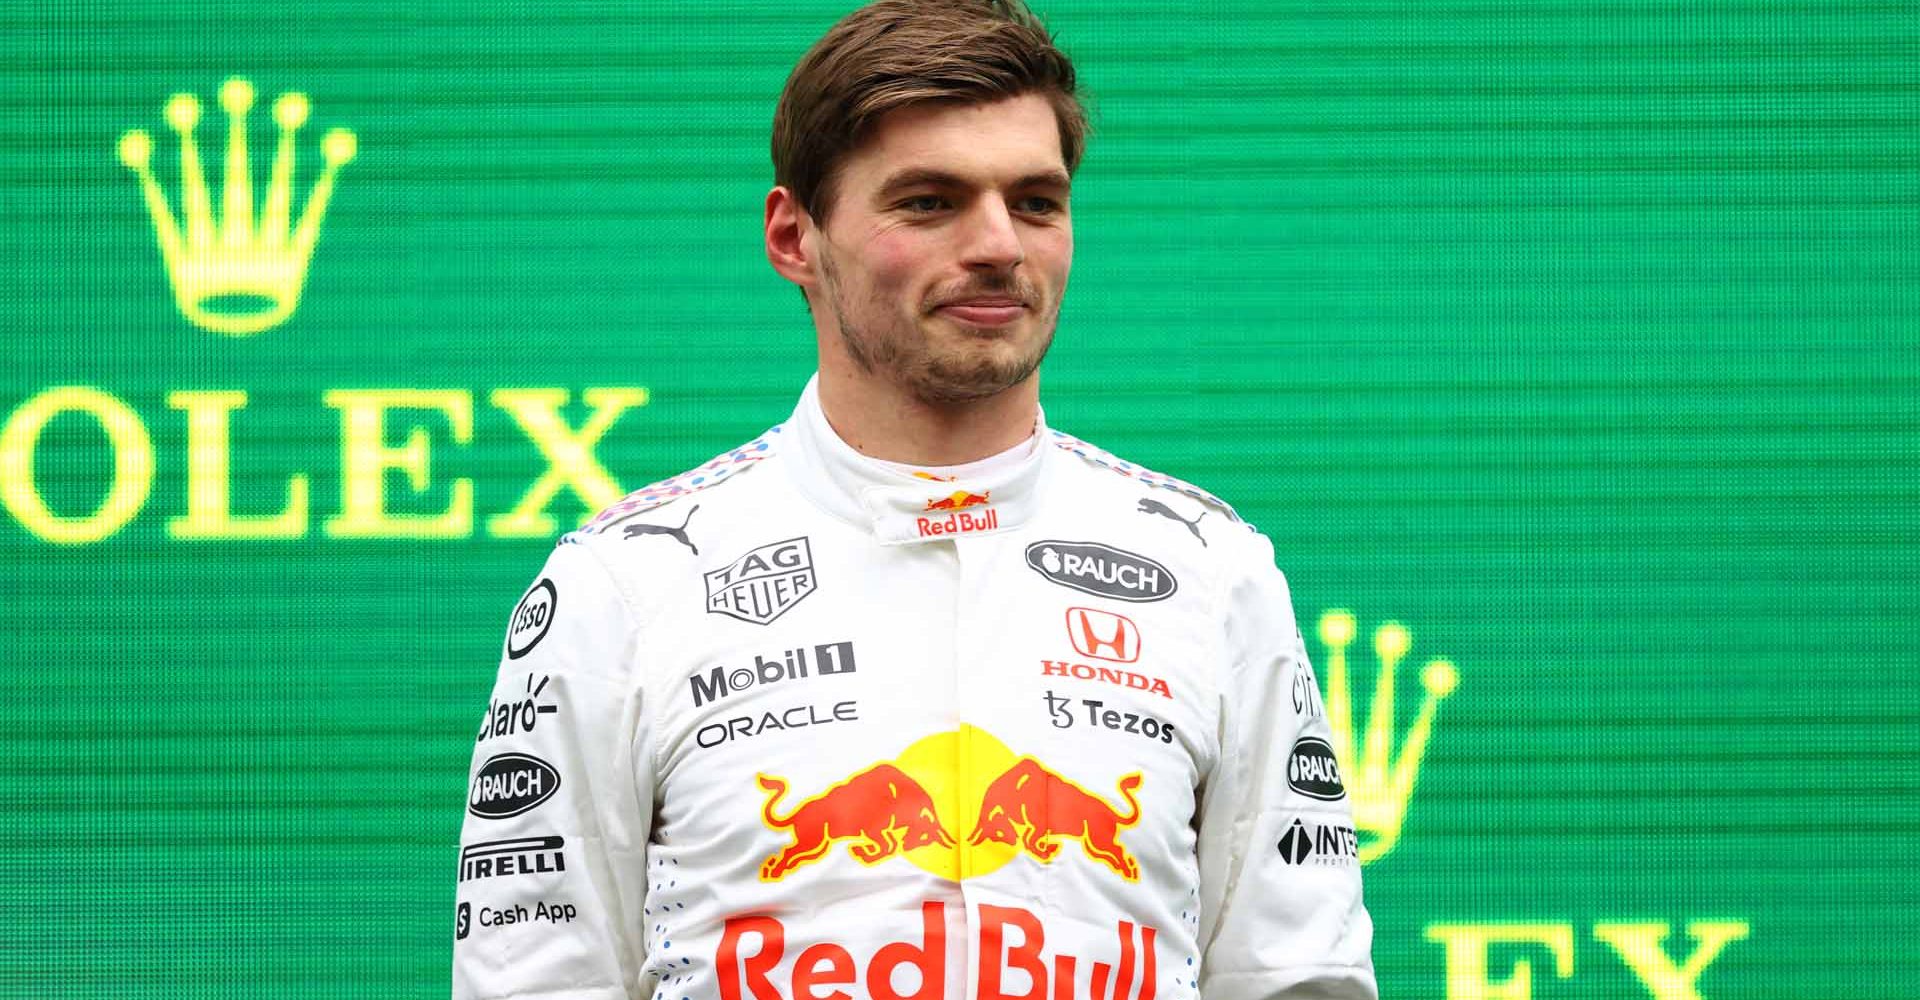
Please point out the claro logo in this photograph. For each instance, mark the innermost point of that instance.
(509, 784)
(1093, 568)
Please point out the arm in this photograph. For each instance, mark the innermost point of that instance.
(560, 801)
(1280, 916)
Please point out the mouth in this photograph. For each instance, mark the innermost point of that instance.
(985, 313)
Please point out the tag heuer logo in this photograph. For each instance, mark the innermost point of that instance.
(761, 585)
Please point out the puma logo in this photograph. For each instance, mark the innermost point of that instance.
(1150, 506)
(678, 534)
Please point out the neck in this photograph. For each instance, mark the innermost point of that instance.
(881, 420)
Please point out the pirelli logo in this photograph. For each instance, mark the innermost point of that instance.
(520, 856)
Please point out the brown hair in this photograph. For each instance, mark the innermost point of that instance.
(892, 54)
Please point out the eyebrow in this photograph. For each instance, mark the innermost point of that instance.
(917, 176)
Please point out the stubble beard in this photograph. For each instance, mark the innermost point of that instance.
(904, 356)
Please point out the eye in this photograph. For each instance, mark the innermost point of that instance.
(1046, 205)
(930, 201)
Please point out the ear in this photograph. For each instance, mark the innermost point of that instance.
(788, 226)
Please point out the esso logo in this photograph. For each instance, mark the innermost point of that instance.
(531, 619)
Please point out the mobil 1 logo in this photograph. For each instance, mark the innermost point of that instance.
(531, 619)
(828, 658)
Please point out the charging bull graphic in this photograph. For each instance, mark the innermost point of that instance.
(887, 811)
(1033, 805)
(1024, 806)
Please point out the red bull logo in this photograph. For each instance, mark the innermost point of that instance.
(752, 953)
(881, 809)
(1032, 806)
(896, 808)
(959, 500)
(962, 523)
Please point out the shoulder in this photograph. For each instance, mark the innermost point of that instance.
(1231, 549)
(649, 542)
(727, 467)
(1097, 458)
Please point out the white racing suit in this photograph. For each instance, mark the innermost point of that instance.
(797, 724)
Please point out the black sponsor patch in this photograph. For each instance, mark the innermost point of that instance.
(1094, 568)
(509, 784)
(1312, 770)
(463, 921)
(531, 619)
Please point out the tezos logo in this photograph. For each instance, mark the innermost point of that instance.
(1312, 770)
(1333, 846)
(509, 784)
(1093, 568)
(531, 619)
(761, 585)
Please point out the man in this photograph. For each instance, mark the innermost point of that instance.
(913, 696)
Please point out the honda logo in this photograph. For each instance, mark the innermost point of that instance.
(1103, 635)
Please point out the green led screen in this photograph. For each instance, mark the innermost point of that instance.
(1571, 345)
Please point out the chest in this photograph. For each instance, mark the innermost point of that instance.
(953, 669)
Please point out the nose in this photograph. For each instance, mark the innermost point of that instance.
(992, 242)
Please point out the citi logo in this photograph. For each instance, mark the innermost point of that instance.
(1103, 635)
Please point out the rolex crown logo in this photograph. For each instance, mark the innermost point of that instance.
(244, 274)
(1379, 780)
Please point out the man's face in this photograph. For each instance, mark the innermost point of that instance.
(946, 205)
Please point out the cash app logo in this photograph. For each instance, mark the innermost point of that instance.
(242, 273)
(1380, 775)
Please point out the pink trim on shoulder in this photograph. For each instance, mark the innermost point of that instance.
(713, 473)
(1145, 476)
